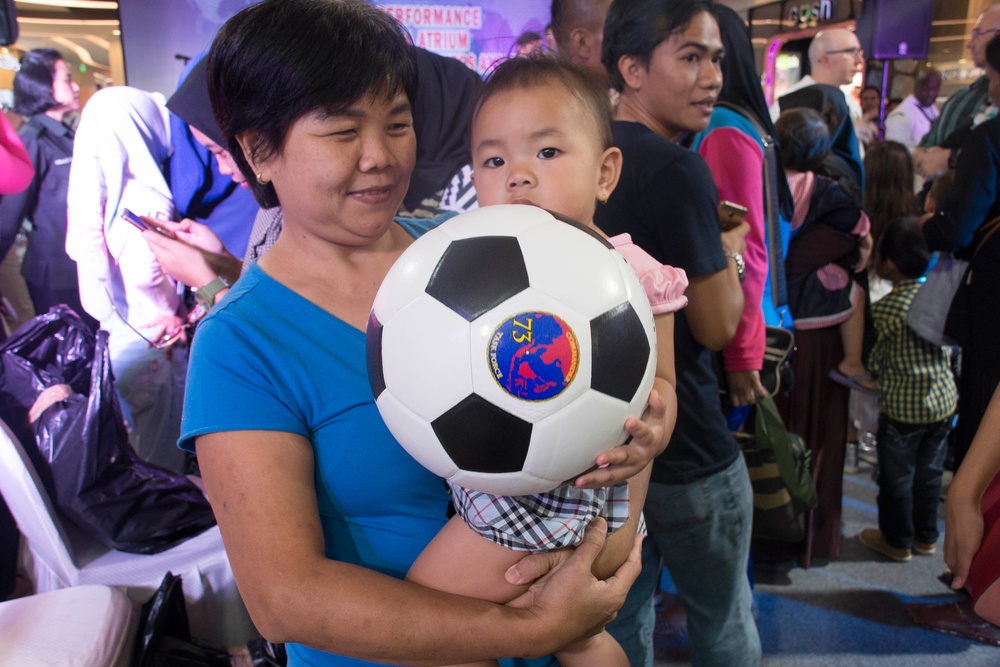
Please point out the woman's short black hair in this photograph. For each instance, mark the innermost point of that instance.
(804, 139)
(33, 82)
(278, 60)
(520, 73)
(636, 28)
(904, 244)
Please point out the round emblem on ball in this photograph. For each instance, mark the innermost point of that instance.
(534, 356)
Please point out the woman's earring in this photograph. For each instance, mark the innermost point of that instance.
(260, 178)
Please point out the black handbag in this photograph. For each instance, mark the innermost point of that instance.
(775, 371)
(778, 463)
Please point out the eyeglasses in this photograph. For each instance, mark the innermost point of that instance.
(979, 32)
(854, 51)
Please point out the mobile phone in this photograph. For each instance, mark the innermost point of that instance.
(731, 215)
(134, 219)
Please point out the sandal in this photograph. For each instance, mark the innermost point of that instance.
(954, 618)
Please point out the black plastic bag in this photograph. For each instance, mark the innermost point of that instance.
(93, 475)
(164, 638)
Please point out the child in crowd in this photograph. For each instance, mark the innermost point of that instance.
(541, 135)
(830, 242)
(938, 191)
(917, 398)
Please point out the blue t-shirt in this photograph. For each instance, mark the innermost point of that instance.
(267, 359)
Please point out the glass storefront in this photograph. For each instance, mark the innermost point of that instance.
(781, 32)
(86, 32)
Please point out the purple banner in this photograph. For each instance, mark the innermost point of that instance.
(158, 34)
(477, 34)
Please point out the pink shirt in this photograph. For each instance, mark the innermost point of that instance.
(737, 164)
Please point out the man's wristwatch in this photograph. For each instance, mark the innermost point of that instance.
(741, 267)
(206, 295)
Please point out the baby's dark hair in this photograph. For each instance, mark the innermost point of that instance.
(903, 243)
(804, 139)
(938, 191)
(520, 73)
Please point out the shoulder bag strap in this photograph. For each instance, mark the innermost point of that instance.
(775, 258)
(987, 230)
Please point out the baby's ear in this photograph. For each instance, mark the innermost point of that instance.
(611, 170)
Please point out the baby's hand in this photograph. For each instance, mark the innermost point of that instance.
(625, 461)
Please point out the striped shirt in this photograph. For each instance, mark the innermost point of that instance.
(965, 103)
(916, 383)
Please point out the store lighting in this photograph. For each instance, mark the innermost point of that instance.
(72, 4)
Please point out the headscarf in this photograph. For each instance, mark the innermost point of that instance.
(119, 153)
(741, 87)
(845, 165)
(442, 114)
(192, 104)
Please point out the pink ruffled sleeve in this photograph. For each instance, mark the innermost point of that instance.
(664, 285)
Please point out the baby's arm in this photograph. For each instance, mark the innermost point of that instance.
(650, 434)
(458, 560)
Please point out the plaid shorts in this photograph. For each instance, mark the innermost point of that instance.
(543, 521)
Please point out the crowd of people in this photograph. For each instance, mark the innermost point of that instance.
(309, 147)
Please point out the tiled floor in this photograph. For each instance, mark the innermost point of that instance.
(853, 611)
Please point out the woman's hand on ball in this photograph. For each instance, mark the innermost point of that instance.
(625, 461)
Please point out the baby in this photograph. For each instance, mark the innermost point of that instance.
(541, 136)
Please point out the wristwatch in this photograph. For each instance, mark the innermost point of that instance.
(741, 267)
(206, 295)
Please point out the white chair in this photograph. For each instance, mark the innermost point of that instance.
(85, 626)
(56, 556)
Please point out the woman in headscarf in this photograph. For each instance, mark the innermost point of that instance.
(122, 145)
(735, 147)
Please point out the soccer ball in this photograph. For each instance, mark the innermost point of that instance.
(507, 347)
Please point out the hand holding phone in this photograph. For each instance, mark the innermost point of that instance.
(731, 215)
(142, 225)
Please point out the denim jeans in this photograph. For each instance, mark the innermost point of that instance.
(910, 465)
(702, 532)
(633, 627)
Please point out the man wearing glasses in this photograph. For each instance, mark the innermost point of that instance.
(965, 109)
(835, 57)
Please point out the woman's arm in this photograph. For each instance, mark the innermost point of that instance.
(715, 300)
(16, 170)
(191, 253)
(650, 436)
(973, 195)
(262, 490)
(737, 164)
(963, 511)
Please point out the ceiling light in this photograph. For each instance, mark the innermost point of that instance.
(72, 4)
